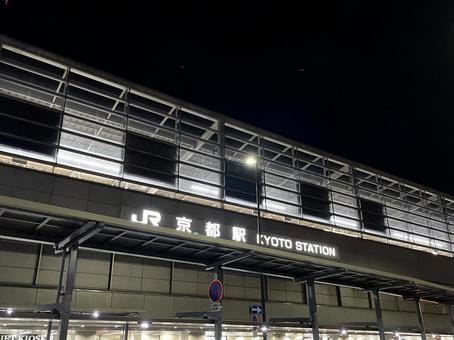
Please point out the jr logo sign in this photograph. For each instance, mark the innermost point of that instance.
(148, 217)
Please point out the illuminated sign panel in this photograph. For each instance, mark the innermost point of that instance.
(239, 232)
(22, 337)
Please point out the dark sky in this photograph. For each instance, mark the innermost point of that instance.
(370, 81)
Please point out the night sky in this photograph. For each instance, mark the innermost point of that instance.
(369, 81)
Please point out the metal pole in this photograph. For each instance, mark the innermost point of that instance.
(125, 331)
(420, 319)
(257, 196)
(312, 302)
(49, 330)
(378, 313)
(451, 317)
(65, 307)
(219, 275)
(264, 298)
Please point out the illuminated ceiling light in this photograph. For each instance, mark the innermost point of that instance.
(144, 325)
(396, 334)
(96, 314)
(82, 326)
(9, 311)
(343, 332)
(250, 161)
(264, 328)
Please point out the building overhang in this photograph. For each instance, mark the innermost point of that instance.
(30, 221)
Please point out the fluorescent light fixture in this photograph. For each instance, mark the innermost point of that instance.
(9, 311)
(250, 161)
(144, 325)
(96, 314)
(88, 162)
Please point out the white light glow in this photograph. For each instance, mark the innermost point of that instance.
(275, 206)
(9, 311)
(88, 162)
(201, 188)
(26, 153)
(396, 334)
(96, 314)
(144, 325)
(343, 332)
(342, 221)
(264, 328)
(250, 161)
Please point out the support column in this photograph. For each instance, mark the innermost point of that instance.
(65, 305)
(49, 330)
(264, 298)
(451, 317)
(312, 302)
(378, 313)
(420, 319)
(125, 331)
(219, 275)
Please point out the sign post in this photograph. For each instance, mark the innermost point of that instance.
(215, 293)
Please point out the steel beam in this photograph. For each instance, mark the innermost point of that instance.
(451, 317)
(125, 331)
(378, 313)
(323, 274)
(312, 302)
(422, 327)
(49, 330)
(80, 235)
(264, 299)
(219, 275)
(226, 262)
(65, 305)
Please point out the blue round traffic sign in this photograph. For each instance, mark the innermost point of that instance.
(215, 290)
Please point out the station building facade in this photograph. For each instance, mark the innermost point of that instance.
(119, 205)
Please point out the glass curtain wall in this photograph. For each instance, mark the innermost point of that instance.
(87, 122)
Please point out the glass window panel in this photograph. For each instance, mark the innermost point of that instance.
(199, 188)
(282, 195)
(89, 163)
(282, 182)
(91, 146)
(200, 174)
(95, 114)
(199, 145)
(200, 159)
(92, 129)
(151, 130)
(282, 208)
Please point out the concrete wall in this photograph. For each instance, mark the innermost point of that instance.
(153, 288)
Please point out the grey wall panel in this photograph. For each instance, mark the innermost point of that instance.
(159, 306)
(16, 275)
(132, 302)
(17, 296)
(45, 296)
(155, 285)
(93, 300)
